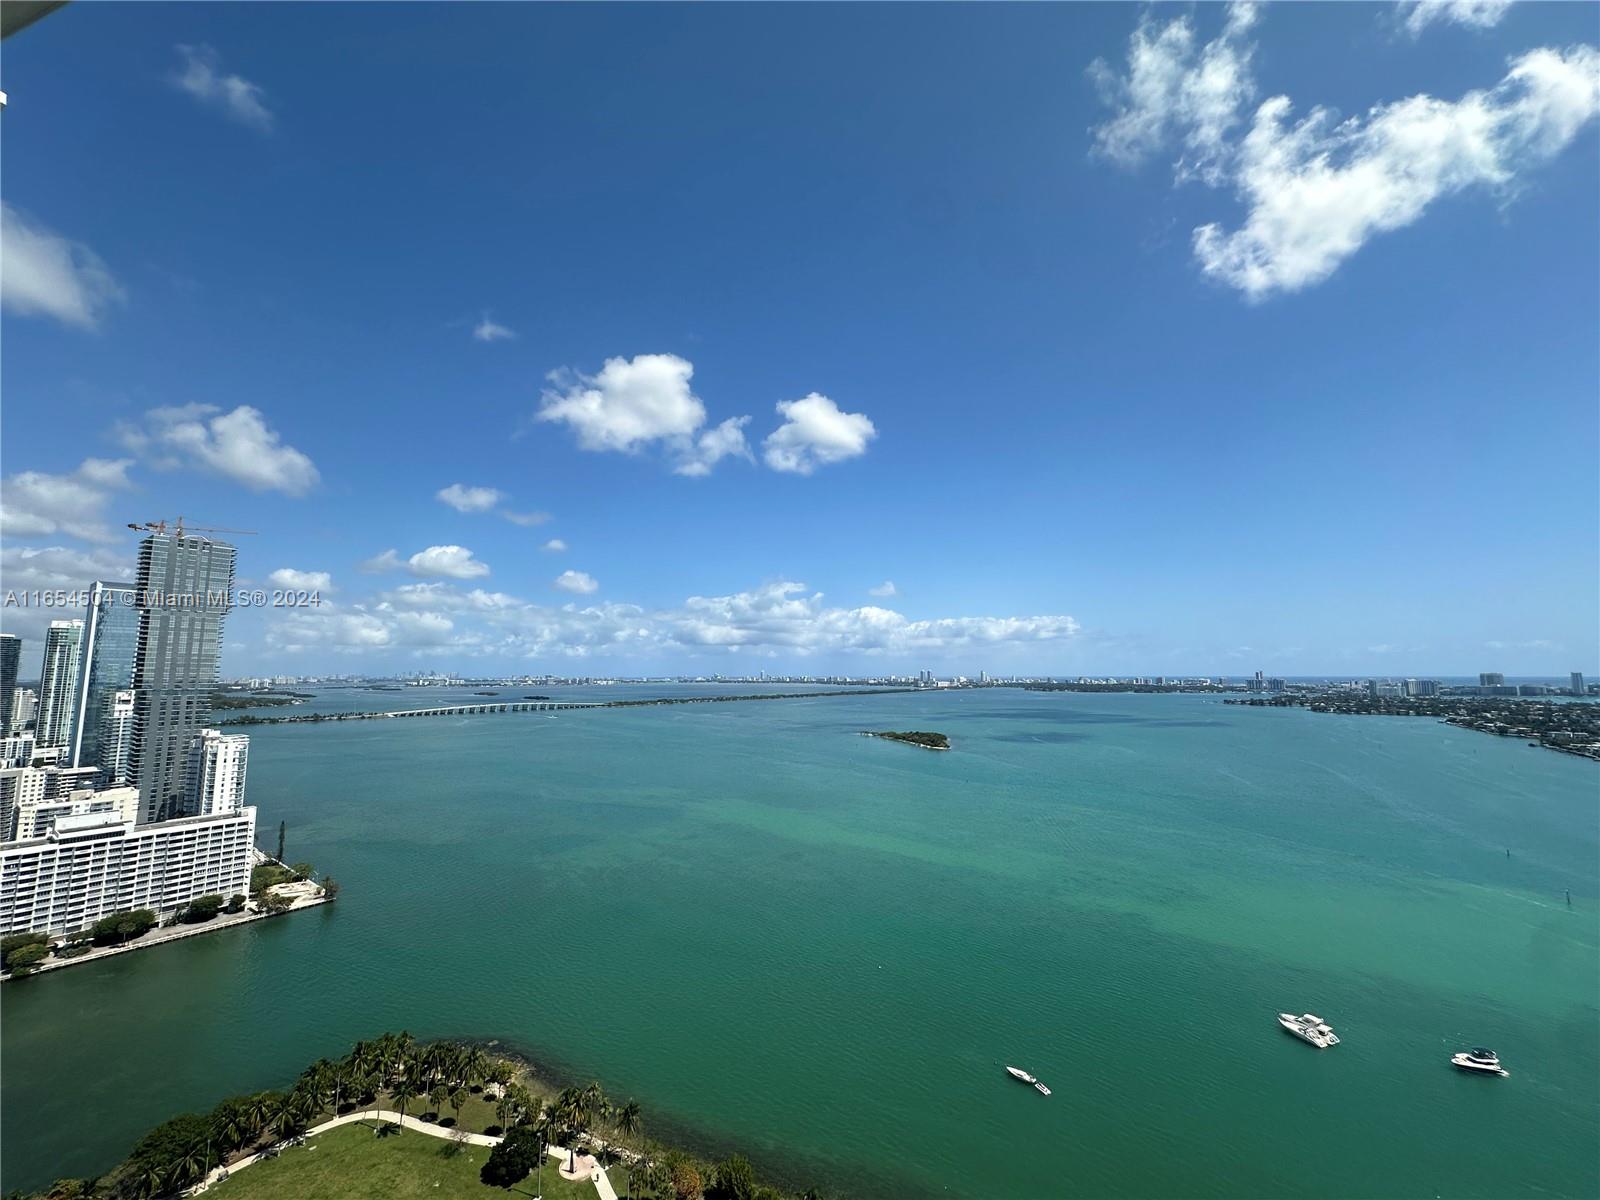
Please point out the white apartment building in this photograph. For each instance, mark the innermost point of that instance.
(217, 764)
(24, 705)
(31, 787)
(16, 750)
(37, 818)
(116, 736)
(96, 864)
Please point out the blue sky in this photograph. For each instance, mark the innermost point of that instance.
(1169, 340)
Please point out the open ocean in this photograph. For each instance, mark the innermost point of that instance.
(820, 948)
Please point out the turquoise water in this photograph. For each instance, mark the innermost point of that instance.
(819, 947)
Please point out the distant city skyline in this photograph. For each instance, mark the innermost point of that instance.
(1026, 366)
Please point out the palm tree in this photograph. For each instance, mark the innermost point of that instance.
(541, 1130)
(152, 1177)
(403, 1093)
(628, 1119)
(261, 1108)
(504, 1110)
(294, 1112)
(194, 1162)
(498, 1073)
(438, 1095)
(565, 1112)
(228, 1125)
(457, 1099)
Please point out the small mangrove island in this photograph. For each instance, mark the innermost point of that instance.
(928, 741)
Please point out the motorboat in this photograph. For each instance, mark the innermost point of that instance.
(1041, 1089)
(1019, 1074)
(1484, 1062)
(1309, 1027)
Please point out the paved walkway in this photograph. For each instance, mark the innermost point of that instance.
(158, 937)
(588, 1169)
(602, 1183)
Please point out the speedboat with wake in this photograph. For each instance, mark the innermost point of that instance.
(1484, 1062)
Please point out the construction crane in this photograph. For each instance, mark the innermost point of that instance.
(181, 529)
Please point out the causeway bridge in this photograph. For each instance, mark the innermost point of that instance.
(463, 710)
(511, 706)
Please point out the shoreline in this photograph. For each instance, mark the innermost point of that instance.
(160, 937)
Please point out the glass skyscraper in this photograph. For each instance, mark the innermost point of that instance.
(58, 683)
(102, 724)
(184, 592)
(10, 656)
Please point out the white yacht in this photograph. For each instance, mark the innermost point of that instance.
(1484, 1062)
(1019, 1074)
(1309, 1028)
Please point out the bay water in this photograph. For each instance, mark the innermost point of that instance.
(821, 948)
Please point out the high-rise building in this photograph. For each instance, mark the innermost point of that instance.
(1422, 687)
(217, 764)
(29, 787)
(1491, 679)
(10, 656)
(24, 707)
(29, 812)
(102, 720)
(184, 592)
(58, 681)
(93, 864)
(1575, 683)
(16, 750)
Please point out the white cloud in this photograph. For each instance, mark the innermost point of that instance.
(1417, 15)
(448, 562)
(237, 445)
(815, 433)
(580, 583)
(629, 404)
(314, 581)
(51, 569)
(201, 75)
(35, 504)
(1174, 93)
(1318, 190)
(712, 446)
(488, 330)
(470, 499)
(328, 626)
(780, 615)
(883, 590)
(778, 619)
(554, 546)
(530, 518)
(639, 402)
(43, 274)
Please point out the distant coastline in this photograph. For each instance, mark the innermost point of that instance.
(1569, 728)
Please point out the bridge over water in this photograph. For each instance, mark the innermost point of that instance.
(462, 710)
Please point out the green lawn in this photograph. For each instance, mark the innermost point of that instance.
(351, 1163)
